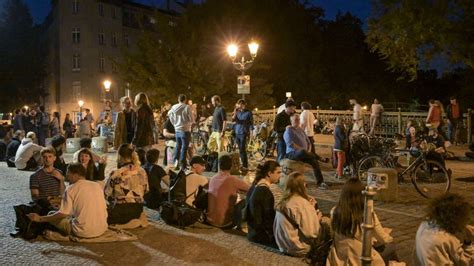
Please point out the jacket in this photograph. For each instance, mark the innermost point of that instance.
(24, 153)
(120, 132)
(12, 148)
(340, 143)
(181, 117)
(144, 126)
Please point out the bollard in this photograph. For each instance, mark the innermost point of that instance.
(367, 226)
(399, 117)
(469, 126)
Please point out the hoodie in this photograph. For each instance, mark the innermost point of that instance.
(181, 117)
(24, 153)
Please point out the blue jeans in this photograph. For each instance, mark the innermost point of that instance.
(452, 127)
(182, 144)
(309, 158)
(281, 149)
(241, 140)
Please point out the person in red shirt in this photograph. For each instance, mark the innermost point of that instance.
(224, 209)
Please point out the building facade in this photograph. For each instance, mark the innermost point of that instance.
(86, 40)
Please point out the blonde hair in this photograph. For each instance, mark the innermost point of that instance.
(295, 185)
(141, 99)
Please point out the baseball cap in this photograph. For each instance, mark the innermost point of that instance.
(198, 160)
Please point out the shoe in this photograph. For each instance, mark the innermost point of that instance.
(323, 186)
(15, 234)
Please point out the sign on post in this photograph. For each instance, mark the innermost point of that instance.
(243, 84)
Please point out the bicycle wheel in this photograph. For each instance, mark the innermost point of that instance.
(258, 149)
(199, 144)
(431, 179)
(365, 164)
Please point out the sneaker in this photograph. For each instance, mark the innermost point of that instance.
(323, 186)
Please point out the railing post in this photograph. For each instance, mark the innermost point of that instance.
(367, 226)
(274, 113)
(399, 120)
(317, 113)
(469, 126)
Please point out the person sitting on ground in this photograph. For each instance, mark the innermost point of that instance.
(439, 150)
(141, 155)
(411, 139)
(297, 148)
(347, 219)
(438, 240)
(48, 182)
(195, 179)
(28, 155)
(93, 172)
(297, 219)
(58, 142)
(156, 174)
(85, 143)
(13, 146)
(83, 212)
(261, 204)
(125, 190)
(223, 209)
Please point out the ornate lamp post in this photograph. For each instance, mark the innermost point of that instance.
(107, 83)
(242, 65)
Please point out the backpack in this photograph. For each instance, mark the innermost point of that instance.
(212, 160)
(175, 211)
(200, 201)
(30, 230)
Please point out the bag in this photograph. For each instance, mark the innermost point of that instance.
(201, 200)
(30, 230)
(212, 162)
(179, 213)
(177, 185)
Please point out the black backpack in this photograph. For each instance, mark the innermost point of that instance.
(30, 230)
(212, 162)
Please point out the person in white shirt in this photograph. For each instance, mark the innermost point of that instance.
(194, 179)
(307, 124)
(376, 111)
(357, 116)
(439, 238)
(83, 211)
(28, 155)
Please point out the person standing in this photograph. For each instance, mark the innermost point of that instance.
(143, 136)
(54, 125)
(68, 126)
(218, 125)
(18, 121)
(243, 119)
(181, 117)
(282, 120)
(340, 146)
(358, 121)
(454, 116)
(125, 124)
(307, 124)
(376, 111)
(42, 125)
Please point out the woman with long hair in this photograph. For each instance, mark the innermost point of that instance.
(340, 146)
(297, 221)
(260, 210)
(126, 188)
(54, 124)
(437, 241)
(347, 218)
(145, 123)
(93, 172)
(68, 126)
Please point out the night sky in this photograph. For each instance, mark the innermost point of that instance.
(361, 8)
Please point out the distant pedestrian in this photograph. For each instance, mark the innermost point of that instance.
(181, 117)
(125, 124)
(54, 125)
(84, 130)
(18, 121)
(68, 126)
(243, 119)
(307, 124)
(219, 121)
(42, 125)
(340, 146)
(143, 136)
(376, 111)
(454, 116)
(282, 120)
(434, 119)
(357, 119)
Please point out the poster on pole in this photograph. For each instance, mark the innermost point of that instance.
(243, 84)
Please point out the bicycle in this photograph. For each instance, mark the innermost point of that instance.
(429, 177)
(200, 137)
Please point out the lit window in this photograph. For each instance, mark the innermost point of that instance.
(101, 9)
(75, 6)
(76, 62)
(76, 35)
(114, 65)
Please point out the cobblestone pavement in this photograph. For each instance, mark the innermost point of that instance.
(200, 244)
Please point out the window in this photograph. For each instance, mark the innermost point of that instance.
(76, 90)
(101, 9)
(115, 65)
(114, 13)
(102, 64)
(126, 39)
(114, 39)
(75, 6)
(76, 62)
(76, 35)
(101, 38)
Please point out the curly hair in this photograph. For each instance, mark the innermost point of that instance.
(450, 212)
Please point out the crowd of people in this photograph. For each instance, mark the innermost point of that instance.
(79, 199)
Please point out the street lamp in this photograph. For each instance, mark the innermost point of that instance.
(243, 85)
(288, 94)
(80, 103)
(107, 83)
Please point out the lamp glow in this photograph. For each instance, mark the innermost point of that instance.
(253, 47)
(107, 85)
(80, 103)
(232, 50)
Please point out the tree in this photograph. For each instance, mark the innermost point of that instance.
(410, 33)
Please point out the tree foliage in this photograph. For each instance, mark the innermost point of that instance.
(409, 33)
